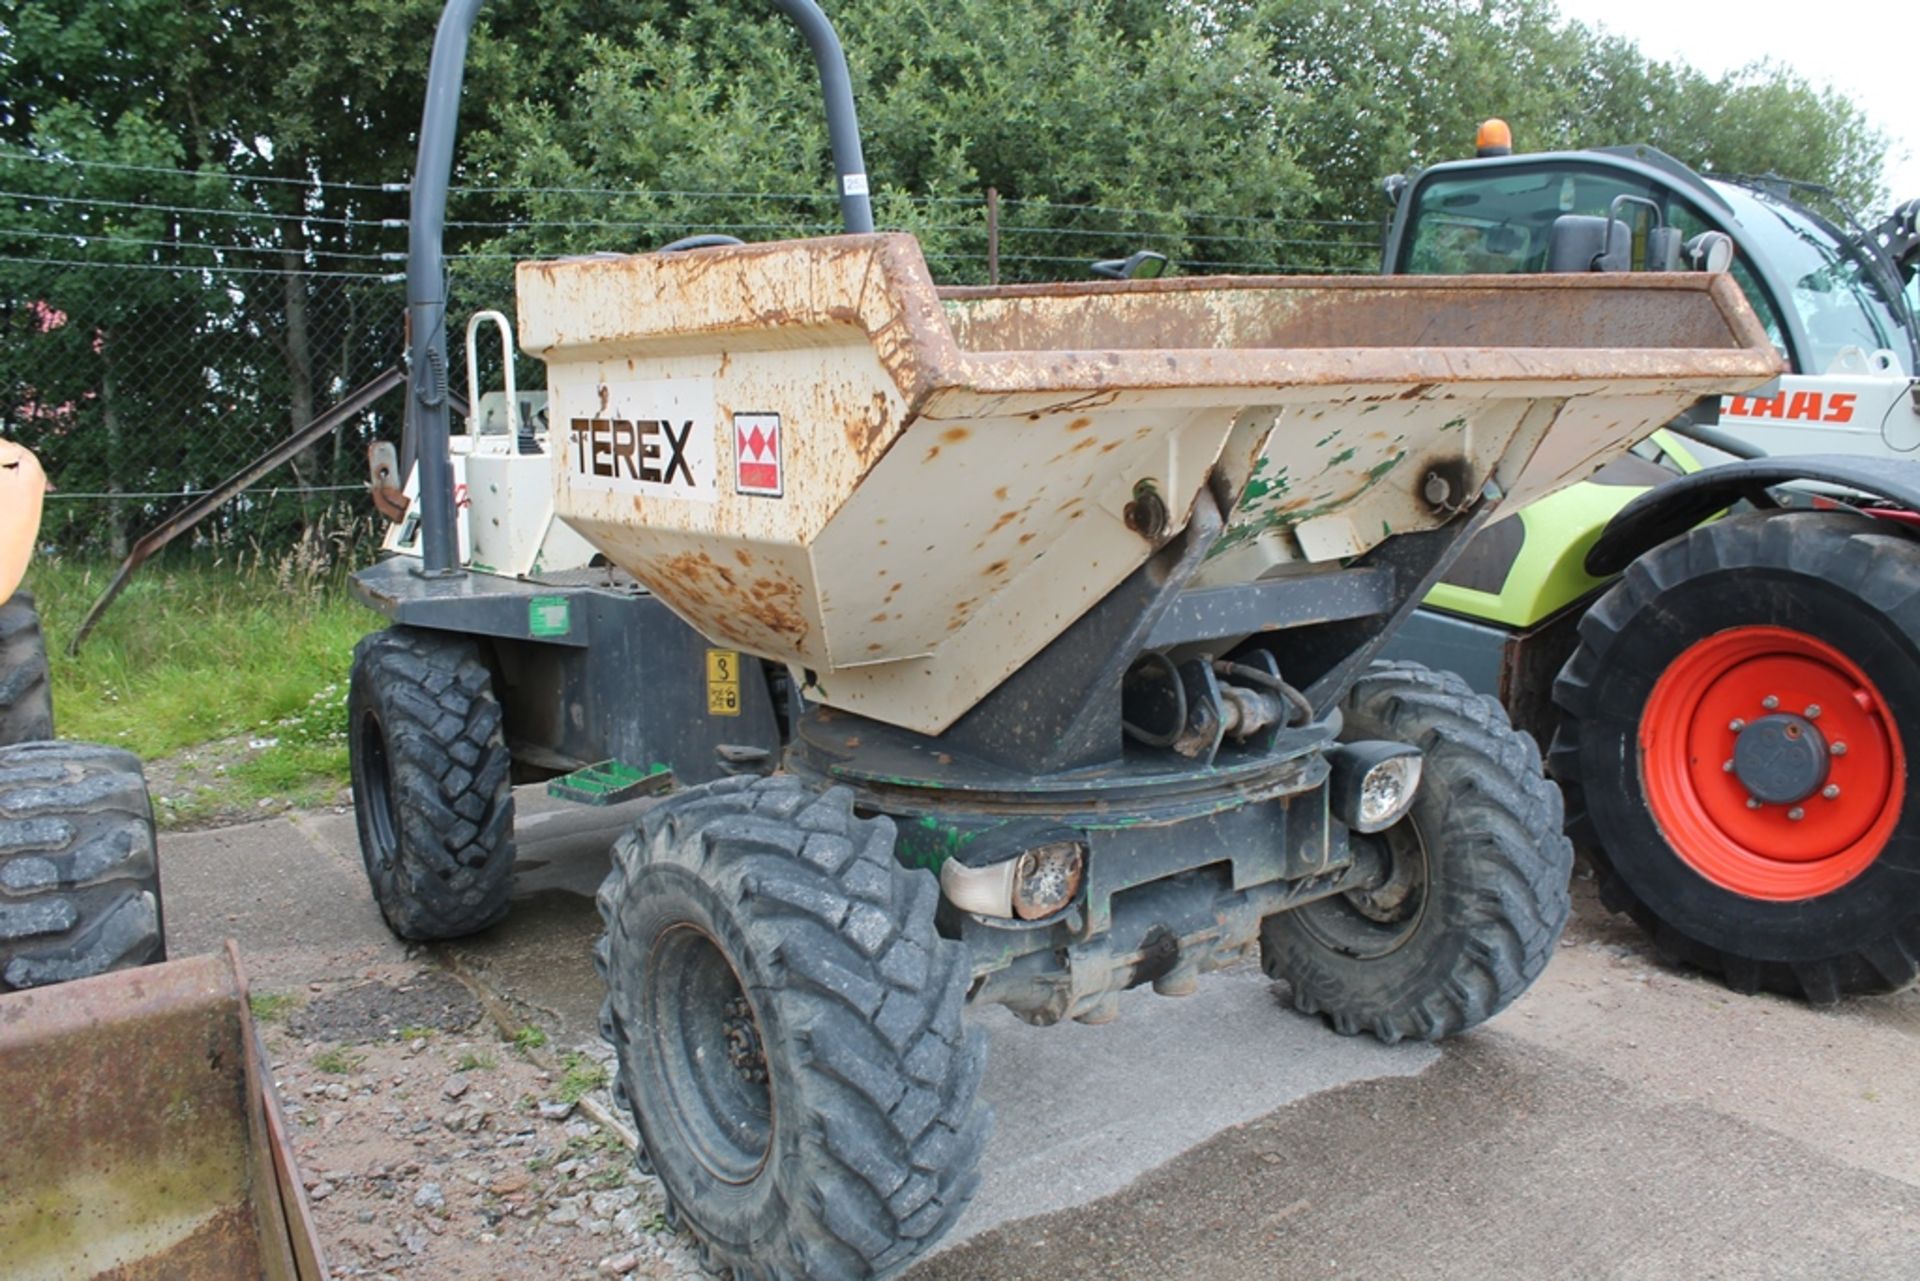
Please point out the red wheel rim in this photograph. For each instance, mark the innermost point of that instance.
(1784, 852)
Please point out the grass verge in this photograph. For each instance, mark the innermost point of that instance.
(228, 674)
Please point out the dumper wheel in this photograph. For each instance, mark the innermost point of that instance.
(789, 1031)
(1467, 895)
(431, 792)
(79, 879)
(26, 693)
(1741, 721)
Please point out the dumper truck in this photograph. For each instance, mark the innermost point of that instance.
(990, 646)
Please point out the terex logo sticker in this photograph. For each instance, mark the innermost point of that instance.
(756, 455)
(653, 437)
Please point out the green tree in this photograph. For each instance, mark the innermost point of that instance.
(1139, 109)
(1401, 83)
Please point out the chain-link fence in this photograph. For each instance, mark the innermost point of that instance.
(159, 330)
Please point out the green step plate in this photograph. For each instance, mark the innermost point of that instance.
(609, 783)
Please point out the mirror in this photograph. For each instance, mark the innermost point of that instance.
(1580, 243)
(1710, 251)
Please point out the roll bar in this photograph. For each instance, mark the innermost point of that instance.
(427, 409)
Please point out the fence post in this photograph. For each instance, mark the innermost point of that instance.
(993, 235)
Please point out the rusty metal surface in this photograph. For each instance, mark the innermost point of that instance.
(384, 481)
(962, 469)
(134, 1140)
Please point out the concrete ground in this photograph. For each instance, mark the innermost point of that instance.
(1624, 1120)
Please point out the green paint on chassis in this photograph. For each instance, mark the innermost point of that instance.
(1549, 574)
(610, 782)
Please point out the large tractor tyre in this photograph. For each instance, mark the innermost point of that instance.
(1468, 893)
(1739, 718)
(79, 878)
(789, 1031)
(431, 792)
(26, 692)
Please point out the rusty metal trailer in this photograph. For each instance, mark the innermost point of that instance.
(141, 1138)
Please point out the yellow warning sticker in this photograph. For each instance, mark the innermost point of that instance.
(723, 682)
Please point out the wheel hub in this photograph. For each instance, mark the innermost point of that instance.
(703, 1073)
(1780, 759)
(1771, 763)
(743, 1042)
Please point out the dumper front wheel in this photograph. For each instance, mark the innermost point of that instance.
(1742, 719)
(26, 697)
(789, 1031)
(431, 792)
(79, 879)
(1464, 899)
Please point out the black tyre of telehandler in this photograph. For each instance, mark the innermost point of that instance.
(432, 795)
(79, 877)
(1470, 893)
(26, 692)
(1810, 896)
(789, 1032)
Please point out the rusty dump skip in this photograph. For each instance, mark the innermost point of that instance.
(813, 454)
(139, 1137)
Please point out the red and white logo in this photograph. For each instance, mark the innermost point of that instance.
(756, 454)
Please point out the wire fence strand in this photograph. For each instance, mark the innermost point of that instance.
(161, 328)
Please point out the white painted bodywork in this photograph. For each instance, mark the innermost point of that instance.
(957, 466)
(503, 503)
(1863, 403)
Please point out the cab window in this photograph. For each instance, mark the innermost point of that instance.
(1500, 224)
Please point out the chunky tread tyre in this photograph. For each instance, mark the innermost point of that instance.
(1498, 867)
(433, 799)
(26, 692)
(1839, 577)
(870, 1072)
(79, 878)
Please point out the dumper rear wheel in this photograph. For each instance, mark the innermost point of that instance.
(789, 1031)
(79, 878)
(1469, 892)
(1742, 719)
(26, 693)
(431, 792)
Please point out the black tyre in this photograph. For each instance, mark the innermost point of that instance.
(789, 1031)
(431, 792)
(26, 693)
(1769, 842)
(1469, 892)
(79, 879)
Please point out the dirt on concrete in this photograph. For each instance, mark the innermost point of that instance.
(434, 1147)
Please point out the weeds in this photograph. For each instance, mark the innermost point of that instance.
(339, 1061)
(579, 1077)
(475, 1061)
(413, 1032)
(271, 1007)
(529, 1038)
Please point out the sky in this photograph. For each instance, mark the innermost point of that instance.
(1866, 49)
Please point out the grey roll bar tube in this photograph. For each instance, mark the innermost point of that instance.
(427, 409)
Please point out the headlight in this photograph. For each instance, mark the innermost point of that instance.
(1373, 783)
